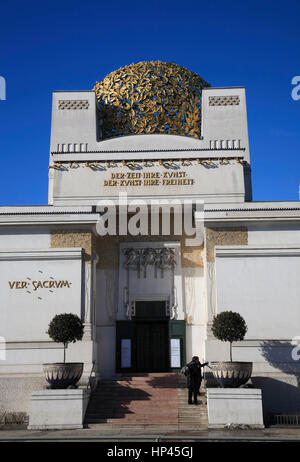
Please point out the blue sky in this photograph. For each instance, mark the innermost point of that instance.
(69, 45)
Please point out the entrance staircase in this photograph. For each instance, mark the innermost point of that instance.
(145, 401)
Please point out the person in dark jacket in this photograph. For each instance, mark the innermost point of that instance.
(194, 378)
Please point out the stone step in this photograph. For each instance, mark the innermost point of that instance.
(189, 407)
(136, 417)
(154, 380)
(136, 391)
(139, 396)
(116, 422)
(192, 412)
(132, 414)
(120, 399)
(127, 402)
(194, 421)
(113, 428)
(125, 397)
(192, 417)
(128, 428)
(189, 428)
(132, 404)
(138, 406)
(119, 386)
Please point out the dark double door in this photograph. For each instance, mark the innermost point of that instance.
(143, 344)
(151, 346)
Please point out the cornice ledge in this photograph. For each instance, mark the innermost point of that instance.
(257, 250)
(72, 253)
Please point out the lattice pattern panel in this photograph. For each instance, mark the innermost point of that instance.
(73, 104)
(224, 100)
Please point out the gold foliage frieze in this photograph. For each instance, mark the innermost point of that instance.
(139, 164)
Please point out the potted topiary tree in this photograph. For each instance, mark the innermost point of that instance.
(64, 328)
(230, 327)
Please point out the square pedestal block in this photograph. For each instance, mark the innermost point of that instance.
(234, 406)
(57, 409)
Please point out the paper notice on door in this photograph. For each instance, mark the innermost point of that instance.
(175, 352)
(125, 352)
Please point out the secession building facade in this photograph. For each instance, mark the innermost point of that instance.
(151, 131)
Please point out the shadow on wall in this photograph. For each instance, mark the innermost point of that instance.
(280, 395)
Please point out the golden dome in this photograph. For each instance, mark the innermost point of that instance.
(151, 97)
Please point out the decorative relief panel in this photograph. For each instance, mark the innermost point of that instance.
(107, 248)
(140, 259)
(224, 100)
(73, 238)
(73, 104)
(224, 236)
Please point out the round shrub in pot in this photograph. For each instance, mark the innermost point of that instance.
(229, 326)
(64, 328)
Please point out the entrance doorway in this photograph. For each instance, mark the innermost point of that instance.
(151, 336)
(151, 346)
(150, 341)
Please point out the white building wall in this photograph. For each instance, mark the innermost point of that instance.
(274, 234)
(224, 123)
(261, 282)
(36, 284)
(14, 238)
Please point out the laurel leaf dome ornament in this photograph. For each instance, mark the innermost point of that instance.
(150, 97)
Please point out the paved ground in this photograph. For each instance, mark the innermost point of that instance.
(269, 434)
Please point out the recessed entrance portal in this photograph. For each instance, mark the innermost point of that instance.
(150, 341)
